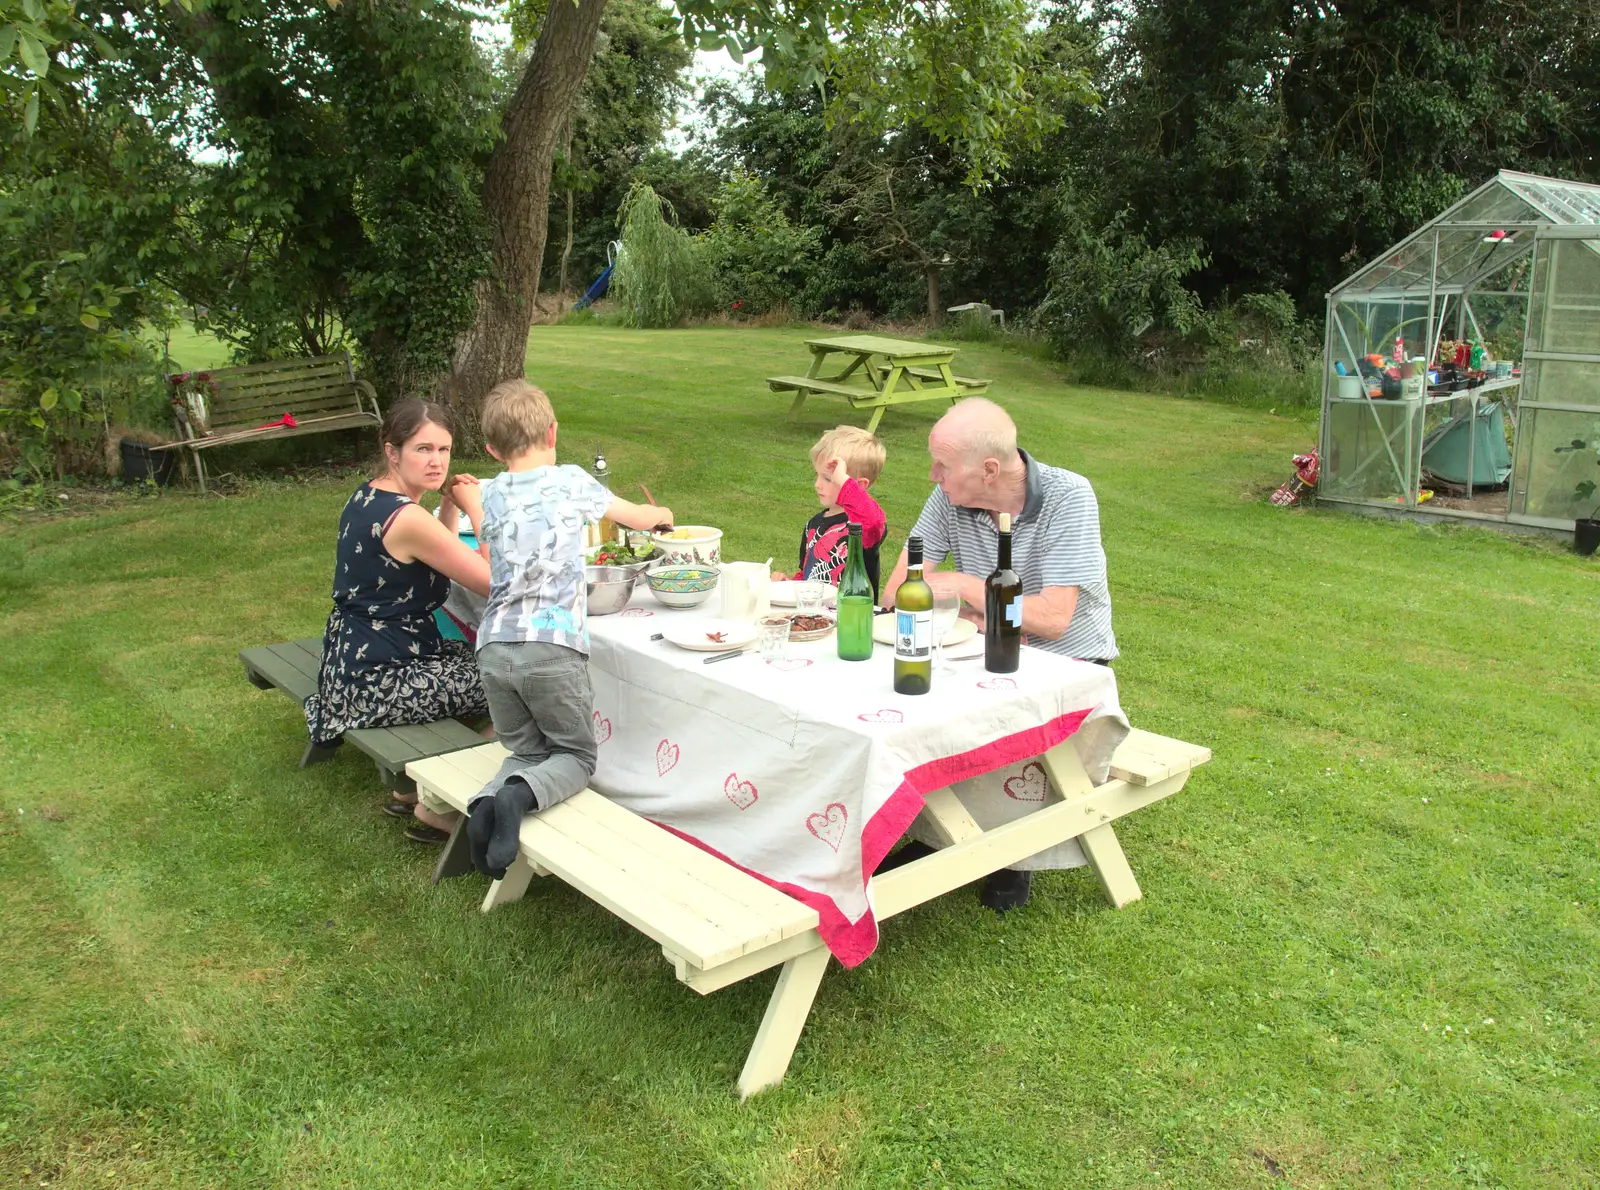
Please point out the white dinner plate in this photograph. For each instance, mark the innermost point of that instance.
(697, 634)
(787, 594)
(883, 631)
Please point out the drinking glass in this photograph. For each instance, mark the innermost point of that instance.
(946, 611)
(808, 598)
(772, 637)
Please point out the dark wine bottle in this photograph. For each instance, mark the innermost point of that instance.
(1002, 610)
(913, 627)
(853, 627)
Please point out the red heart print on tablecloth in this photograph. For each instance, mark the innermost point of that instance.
(741, 793)
(829, 825)
(788, 664)
(998, 684)
(666, 757)
(887, 715)
(1029, 785)
(635, 613)
(602, 729)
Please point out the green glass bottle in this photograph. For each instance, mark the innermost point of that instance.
(913, 627)
(854, 630)
(1002, 610)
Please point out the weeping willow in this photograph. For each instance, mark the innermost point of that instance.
(659, 276)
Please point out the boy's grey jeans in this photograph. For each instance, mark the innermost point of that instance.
(542, 706)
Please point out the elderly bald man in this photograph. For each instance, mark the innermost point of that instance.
(1055, 549)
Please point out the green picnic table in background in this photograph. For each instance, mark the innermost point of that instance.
(877, 372)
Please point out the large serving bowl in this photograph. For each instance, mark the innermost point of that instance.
(609, 587)
(690, 545)
(682, 586)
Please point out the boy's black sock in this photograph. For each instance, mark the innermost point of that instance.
(480, 825)
(511, 802)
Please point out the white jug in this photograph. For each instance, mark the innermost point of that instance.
(746, 590)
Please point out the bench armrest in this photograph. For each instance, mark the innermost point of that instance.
(372, 395)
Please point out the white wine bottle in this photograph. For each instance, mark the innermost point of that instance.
(913, 627)
(1002, 610)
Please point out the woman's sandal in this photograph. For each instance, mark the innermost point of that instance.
(421, 832)
(399, 809)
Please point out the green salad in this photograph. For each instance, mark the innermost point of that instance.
(619, 555)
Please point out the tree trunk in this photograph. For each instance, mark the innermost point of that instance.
(566, 248)
(935, 306)
(516, 197)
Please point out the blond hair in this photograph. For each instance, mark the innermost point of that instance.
(516, 415)
(862, 453)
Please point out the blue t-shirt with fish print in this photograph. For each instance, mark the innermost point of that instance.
(533, 524)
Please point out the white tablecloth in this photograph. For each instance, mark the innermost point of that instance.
(805, 772)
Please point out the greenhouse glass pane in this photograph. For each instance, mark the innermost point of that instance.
(1556, 452)
(1372, 450)
(1565, 314)
(1564, 202)
(1561, 382)
(1496, 203)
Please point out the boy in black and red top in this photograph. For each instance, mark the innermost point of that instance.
(847, 461)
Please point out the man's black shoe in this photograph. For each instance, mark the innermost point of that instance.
(1006, 889)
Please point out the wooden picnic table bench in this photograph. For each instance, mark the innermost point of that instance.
(717, 925)
(292, 667)
(885, 372)
(321, 393)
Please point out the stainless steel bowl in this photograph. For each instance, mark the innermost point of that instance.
(609, 588)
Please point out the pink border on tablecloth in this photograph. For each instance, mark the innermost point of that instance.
(852, 941)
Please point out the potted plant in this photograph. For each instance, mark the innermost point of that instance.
(1586, 530)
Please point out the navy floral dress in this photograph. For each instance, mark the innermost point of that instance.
(384, 663)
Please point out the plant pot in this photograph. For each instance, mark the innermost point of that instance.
(141, 463)
(1585, 536)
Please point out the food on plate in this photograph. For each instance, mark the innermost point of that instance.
(809, 623)
(717, 637)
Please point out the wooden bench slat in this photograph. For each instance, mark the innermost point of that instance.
(792, 383)
(791, 916)
(662, 859)
(231, 423)
(637, 902)
(289, 364)
(286, 673)
(343, 422)
(292, 401)
(1144, 758)
(934, 374)
(395, 747)
(338, 383)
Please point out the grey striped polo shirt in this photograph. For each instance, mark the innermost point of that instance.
(1055, 542)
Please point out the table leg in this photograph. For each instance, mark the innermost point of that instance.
(877, 416)
(785, 1017)
(799, 400)
(1104, 853)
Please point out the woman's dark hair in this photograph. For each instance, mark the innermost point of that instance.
(407, 416)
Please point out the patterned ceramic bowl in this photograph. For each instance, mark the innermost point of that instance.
(690, 545)
(681, 586)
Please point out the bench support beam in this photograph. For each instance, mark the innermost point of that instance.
(781, 1024)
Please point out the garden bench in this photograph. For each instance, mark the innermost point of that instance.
(717, 925)
(321, 393)
(292, 667)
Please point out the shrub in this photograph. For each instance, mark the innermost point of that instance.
(759, 260)
(660, 276)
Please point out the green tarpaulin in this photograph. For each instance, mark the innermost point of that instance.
(1444, 454)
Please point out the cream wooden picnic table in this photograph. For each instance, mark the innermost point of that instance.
(874, 372)
(739, 810)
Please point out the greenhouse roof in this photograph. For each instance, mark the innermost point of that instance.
(1477, 237)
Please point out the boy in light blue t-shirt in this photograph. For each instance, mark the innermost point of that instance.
(533, 640)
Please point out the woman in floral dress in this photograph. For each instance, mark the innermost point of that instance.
(384, 662)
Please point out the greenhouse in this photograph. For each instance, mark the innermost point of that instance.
(1463, 365)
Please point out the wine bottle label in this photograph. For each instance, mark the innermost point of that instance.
(1014, 613)
(913, 635)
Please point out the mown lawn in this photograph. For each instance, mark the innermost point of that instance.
(1367, 954)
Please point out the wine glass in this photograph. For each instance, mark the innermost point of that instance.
(946, 611)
